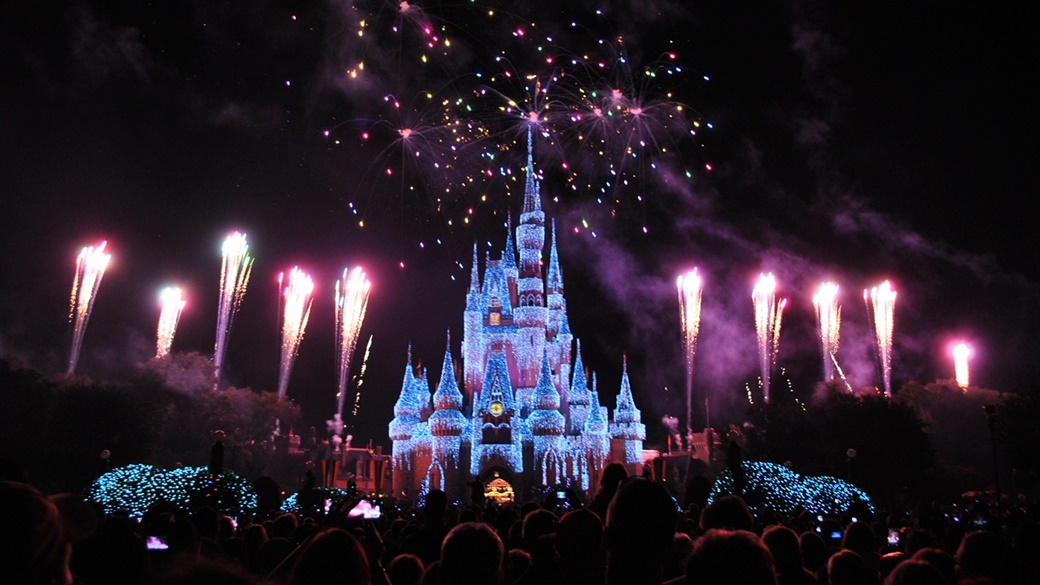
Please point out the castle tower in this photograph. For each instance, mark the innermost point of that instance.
(473, 346)
(447, 425)
(402, 428)
(557, 328)
(596, 440)
(509, 267)
(547, 428)
(530, 313)
(579, 398)
(628, 431)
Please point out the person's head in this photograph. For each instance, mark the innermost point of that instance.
(471, 554)
(859, 538)
(911, 572)
(814, 550)
(728, 512)
(941, 560)
(536, 525)
(983, 554)
(613, 474)
(579, 533)
(782, 543)
(33, 549)
(847, 567)
(640, 522)
(722, 557)
(331, 552)
(405, 570)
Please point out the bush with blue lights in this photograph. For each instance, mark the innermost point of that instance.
(135, 488)
(770, 486)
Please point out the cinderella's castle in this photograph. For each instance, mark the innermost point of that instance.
(525, 415)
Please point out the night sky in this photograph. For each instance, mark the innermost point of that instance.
(852, 142)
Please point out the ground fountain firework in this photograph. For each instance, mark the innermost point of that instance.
(768, 314)
(234, 277)
(171, 304)
(298, 297)
(881, 301)
(90, 267)
(690, 288)
(352, 292)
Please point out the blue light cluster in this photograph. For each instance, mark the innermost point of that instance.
(324, 496)
(777, 488)
(137, 487)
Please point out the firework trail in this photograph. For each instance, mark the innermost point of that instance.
(881, 301)
(298, 297)
(351, 301)
(961, 353)
(234, 276)
(689, 286)
(828, 319)
(768, 312)
(172, 304)
(361, 376)
(90, 267)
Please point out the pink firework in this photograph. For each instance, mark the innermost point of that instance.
(170, 314)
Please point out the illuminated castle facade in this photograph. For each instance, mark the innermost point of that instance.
(525, 414)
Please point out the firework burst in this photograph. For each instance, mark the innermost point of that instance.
(90, 267)
(234, 276)
(689, 287)
(352, 292)
(768, 313)
(828, 321)
(298, 297)
(961, 353)
(171, 304)
(881, 301)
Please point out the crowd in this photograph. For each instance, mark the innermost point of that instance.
(632, 532)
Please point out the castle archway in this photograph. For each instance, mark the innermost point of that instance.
(499, 485)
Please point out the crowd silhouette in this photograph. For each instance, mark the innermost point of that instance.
(633, 531)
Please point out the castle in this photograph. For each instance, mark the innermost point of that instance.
(521, 419)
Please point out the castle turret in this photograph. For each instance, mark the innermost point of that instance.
(558, 336)
(402, 428)
(509, 267)
(547, 428)
(497, 429)
(628, 431)
(473, 346)
(579, 398)
(447, 425)
(596, 439)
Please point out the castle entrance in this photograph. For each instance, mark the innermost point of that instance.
(497, 487)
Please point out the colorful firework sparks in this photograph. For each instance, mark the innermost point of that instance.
(608, 123)
(689, 286)
(235, 268)
(881, 301)
(171, 303)
(361, 377)
(768, 313)
(90, 268)
(828, 322)
(298, 297)
(961, 353)
(352, 292)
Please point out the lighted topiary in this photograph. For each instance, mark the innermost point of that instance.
(132, 488)
(774, 487)
(137, 487)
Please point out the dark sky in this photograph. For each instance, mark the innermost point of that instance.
(851, 142)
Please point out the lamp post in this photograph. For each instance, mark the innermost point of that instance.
(850, 456)
(991, 420)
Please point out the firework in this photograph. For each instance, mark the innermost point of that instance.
(961, 353)
(828, 319)
(234, 276)
(768, 312)
(90, 267)
(689, 286)
(172, 304)
(298, 298)
(351, 301)
(881, 302)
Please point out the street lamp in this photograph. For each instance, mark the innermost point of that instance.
(850, 455)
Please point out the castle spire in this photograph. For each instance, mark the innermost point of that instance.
(473, 296)
(555, 276)
(579, 393)
(509, 255)
(532, 195)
